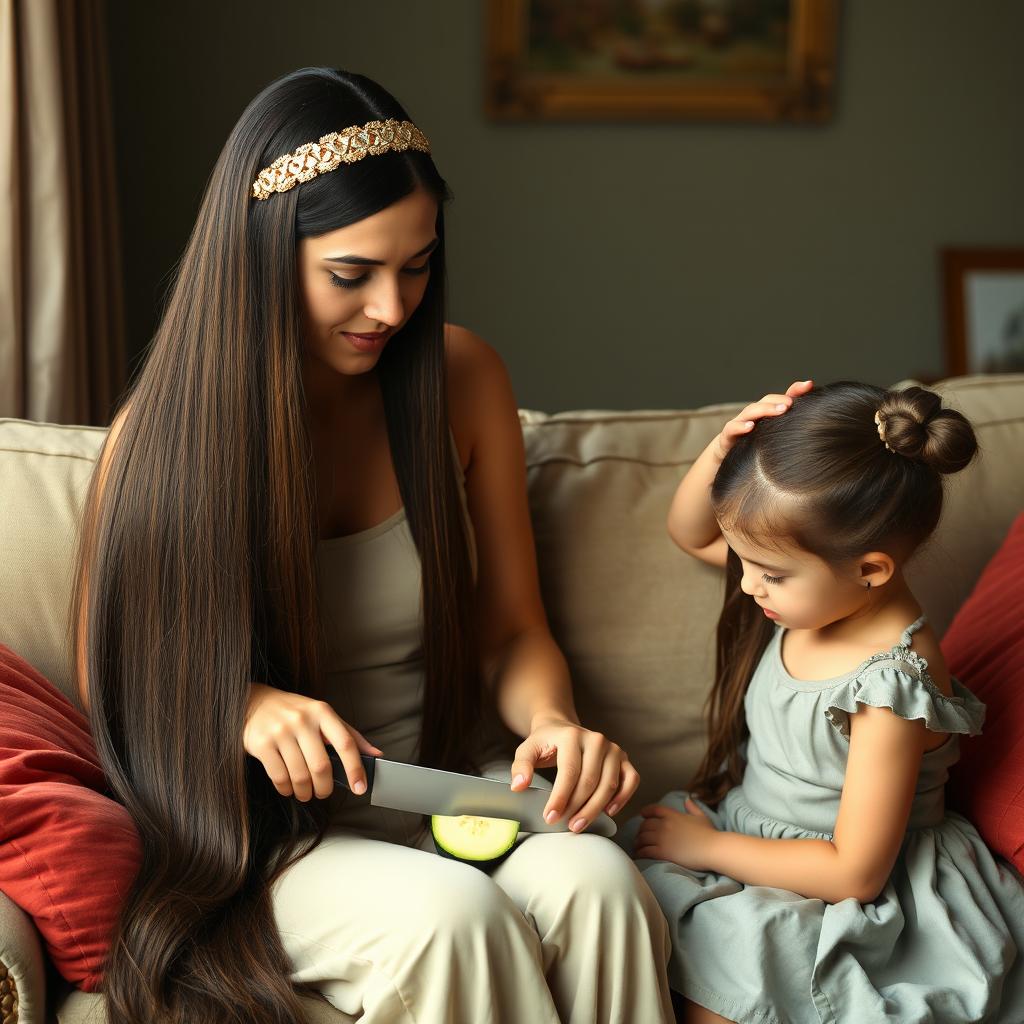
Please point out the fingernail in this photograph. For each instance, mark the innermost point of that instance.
(613, 809)
(578, 824)
(781, 406)
(551, 817)
(359, 788)
(517, 780)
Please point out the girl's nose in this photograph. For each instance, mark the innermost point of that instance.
(749, 583)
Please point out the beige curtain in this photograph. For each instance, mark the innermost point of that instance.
(62, 346)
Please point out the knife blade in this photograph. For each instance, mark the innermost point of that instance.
(420, 790)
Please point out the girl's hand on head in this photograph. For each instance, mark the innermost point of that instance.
(287, 733)
(770, 405)
(668, 834)
(594, 774)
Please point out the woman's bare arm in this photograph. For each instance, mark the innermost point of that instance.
(520, 659)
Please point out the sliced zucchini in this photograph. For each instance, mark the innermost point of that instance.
(482, 842)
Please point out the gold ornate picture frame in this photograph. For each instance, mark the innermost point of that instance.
(725, 60)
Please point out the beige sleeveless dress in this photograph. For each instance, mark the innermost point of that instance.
(369, 584)
(565, 929)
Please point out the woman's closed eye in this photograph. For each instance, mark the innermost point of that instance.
(772, 579)
(355, 282)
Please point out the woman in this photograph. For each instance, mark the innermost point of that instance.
(309, 527)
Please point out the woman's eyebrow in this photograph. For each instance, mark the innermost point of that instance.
(362, 261)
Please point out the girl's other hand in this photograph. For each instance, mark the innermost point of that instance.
(770, 405)
(685, 839)
(287, 733)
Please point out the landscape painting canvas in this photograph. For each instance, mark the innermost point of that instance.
(717, 59)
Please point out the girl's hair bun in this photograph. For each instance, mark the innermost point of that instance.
(916, 426)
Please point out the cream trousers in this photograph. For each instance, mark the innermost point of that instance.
(565, 929)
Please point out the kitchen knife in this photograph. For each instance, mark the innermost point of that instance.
(411, 787)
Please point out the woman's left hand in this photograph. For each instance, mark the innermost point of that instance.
(683, 838)
(594, 774)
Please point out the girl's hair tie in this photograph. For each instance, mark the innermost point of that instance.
(880, 423)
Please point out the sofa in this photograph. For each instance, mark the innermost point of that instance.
(634, 616)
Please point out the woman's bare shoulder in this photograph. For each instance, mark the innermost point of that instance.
(479, 387)
(469, 357)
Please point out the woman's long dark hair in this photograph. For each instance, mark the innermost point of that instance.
(198, 563)
(822, 479)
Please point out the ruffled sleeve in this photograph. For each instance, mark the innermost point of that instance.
(906, 689)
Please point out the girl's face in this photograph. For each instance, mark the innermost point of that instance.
(795, 588)
(361, 283)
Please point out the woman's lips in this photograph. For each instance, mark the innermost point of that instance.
(367, 342)
(768, 612)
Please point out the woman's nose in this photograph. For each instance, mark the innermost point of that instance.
(385, 304)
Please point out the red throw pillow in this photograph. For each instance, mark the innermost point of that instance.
(984, 648)
(68, 852)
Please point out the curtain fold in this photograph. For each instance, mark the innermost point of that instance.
(62, 327)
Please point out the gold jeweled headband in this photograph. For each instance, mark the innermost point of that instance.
(331, 151)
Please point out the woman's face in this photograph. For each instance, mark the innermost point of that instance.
(361, 283)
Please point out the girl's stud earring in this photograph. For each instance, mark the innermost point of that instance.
(868, 585)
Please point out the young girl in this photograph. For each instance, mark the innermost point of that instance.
(829, 883)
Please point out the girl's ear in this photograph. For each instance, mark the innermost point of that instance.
(875, 569)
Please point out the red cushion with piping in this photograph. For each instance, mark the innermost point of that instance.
(68, 851)
(984, 647)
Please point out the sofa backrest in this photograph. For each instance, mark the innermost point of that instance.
(634, 615)
(45, 470)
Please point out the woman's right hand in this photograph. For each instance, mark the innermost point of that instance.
(770, 405)
(287, 733)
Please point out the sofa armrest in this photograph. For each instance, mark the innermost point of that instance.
(22, 968)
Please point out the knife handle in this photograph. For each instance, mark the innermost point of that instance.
(341, 779)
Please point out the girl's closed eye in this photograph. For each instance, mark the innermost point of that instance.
(772, 579)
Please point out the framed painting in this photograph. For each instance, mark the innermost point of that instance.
(735, 60)
(984, 300)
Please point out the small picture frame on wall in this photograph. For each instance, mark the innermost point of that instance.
(984, 300)
(622, 60)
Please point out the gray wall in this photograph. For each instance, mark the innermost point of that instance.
(707, 263)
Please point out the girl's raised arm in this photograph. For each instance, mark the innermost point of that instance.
(691, 521)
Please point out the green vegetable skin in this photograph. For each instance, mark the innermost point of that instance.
(482, 842)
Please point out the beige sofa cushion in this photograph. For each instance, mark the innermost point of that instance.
(44, 474)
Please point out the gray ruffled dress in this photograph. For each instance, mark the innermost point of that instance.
(944, 941)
